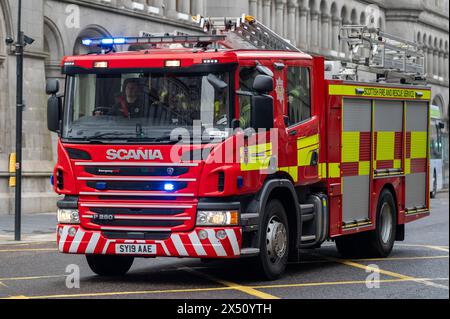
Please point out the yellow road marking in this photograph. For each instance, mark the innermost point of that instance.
(27, 250)
(310, 284)
(119, 293)
(376, 259)
(440, 248)
(31, 278)
(384, 272)
(350, 282)
(245, 289)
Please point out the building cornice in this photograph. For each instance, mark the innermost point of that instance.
(134, 14)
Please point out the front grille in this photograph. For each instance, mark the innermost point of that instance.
(135, 186)
(135, 171)
(137, 223)
(136, 235)
(136, 211)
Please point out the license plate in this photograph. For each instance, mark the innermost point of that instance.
(135, 249)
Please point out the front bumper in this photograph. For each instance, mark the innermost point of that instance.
(185, 244)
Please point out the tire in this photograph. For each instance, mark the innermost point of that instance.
(434, 191)
(109, 266)
(377, 243)
(274, 247)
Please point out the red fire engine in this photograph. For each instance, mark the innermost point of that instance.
(233, 144)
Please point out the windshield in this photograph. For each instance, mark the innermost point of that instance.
(435, 141)
(142, 106)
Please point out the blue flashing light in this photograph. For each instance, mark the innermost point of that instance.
(119, 41)
(87, 42)
(107, 41)
(169, 187)
(52, 180)
(240, 182)
(101, 186)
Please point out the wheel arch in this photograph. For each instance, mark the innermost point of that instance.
(284, 191)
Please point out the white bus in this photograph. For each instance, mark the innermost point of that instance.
(435, 151)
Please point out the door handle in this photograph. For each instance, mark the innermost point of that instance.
(315, 158)
(293, 133)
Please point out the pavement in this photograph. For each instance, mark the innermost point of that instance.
(418, 268)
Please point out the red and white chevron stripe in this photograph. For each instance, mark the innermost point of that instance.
(81, 241)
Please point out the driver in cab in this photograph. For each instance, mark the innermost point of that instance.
(130, 103)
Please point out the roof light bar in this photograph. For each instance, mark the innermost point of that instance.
(154, 40)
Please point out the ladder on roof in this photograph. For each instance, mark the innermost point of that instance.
(244, 32)
(387, 55)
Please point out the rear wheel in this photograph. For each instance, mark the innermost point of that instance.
(104, 265)
(274, 247)
(377, 243)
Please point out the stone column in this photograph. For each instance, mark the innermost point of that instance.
(279, 8)
(436, 62)
(446, 75)
(314, 29)
(335, 33)
(441, 64)
(253, 7)
(266, 12)
(291, 30)
(430, 63)
(325, 19)
(185, 6)
(302, 32)
(171, 7)
(198, 7)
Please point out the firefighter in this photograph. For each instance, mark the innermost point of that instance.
(130, 103)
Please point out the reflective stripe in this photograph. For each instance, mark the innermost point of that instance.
(197, 244)
(419, 144)
(179, 245)
(164, 247)
(385, 146)
(233, 241)
(217, 245)
(307, 141)
(255, 157)
(385, 92)
(63, 238)
(105, 249)
(350, 147)
(364, 168)
(76, 241)
(92, 243)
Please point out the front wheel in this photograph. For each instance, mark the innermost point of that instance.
(274, 247)
(109, 266)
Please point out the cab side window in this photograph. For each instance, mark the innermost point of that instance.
(246, 78)
(299, 94)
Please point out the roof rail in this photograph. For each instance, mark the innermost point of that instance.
(244, 32)
(383, 53)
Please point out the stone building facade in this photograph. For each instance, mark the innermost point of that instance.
(58, 26)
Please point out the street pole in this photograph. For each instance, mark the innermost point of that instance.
(19, 110)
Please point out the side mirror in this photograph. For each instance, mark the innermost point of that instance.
(441, 125)
(217, 83)
(263, 84)
(52, 87)
(262, 112)
(54, 106)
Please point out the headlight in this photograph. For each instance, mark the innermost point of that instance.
(68, 216)
(217, 218)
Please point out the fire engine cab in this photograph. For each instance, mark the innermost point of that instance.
(233, 144)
